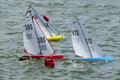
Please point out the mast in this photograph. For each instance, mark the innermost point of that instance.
(83, 35)
(45, 38)
(48, 24)
(35, 32)
(42, 21)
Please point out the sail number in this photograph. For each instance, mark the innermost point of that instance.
(42, 47)
(89, 40)
(41, 40)
(75, 32)
(28, 27)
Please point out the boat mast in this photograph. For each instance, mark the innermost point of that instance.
(41, 20)
(46, 39)
(83, 35)
(35, 32)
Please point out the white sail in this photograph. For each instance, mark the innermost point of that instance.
(51, 29)
(35, 42)
(29, 36)
(46, 27)
(47, 34)
(79, 43)
(95, 50)
(83, 44)
(41, 22)
(44, 45)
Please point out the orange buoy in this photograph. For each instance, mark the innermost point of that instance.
(46, 18)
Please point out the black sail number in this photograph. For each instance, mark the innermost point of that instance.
(42, 47)
(75, 32)
(28, 27)
(41, 39)
(41, 42)
(89, 40)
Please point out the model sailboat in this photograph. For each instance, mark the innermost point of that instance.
(50, 32)
(84, 45)
(35, 43)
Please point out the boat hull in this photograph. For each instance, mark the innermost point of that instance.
(42, 56)
(53, 56)
(49, 60)
(106, 58)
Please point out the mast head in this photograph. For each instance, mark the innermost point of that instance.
(29, 9)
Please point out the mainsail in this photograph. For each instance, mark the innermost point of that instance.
(46, 27)
(35, 42)
(83, 44)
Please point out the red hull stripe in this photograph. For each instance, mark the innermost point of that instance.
(42, 56)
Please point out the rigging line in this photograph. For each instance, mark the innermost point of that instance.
(54, 29)
(45, 37)
(47, 28)
(47, 23)
(41, 20)
(84, 36)
(35, 33)
(44, 24)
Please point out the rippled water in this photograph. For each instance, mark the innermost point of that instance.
(99, 17)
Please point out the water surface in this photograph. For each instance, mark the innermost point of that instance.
(99, 17)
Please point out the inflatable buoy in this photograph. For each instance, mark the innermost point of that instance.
(55, 38)
(49, 62)
(46, 18)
